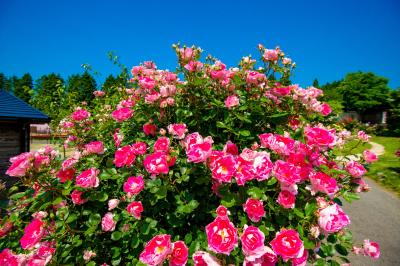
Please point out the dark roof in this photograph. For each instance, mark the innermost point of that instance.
(13, 108)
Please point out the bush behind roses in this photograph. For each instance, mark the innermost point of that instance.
(207, 165)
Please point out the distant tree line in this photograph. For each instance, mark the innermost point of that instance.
(364, 92)
(54, 96)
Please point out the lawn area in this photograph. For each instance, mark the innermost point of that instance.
(387, 169)
(352, 147)
(37, 144)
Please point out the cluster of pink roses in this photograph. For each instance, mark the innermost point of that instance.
(156, 86)
(31, 161)
(160, 248)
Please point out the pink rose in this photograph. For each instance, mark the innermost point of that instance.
(177, 130)
(332, 219)
(286, 199)
(363, 136)
(270, 55)
(156, 250)
(122, 114)
(68, 163)
(325, 109)
(287, 244)
(98, 93)
(262, 165)
(244, 171)
(40, 160)
(302, 261)
(254, 209)
(321, 182)
(124, 156)
(252, 241)
(222, 235)
(355, 169)
(107, 222)
(80, 115)
(147, 83)
(320, 137)
(186, 54)
(8, 258)
(112, 204)
(255, 78)
(224, 168)
(76, 197)
(201, 258)
(231, 148)
(33, 233)
(231, 101)
(277, 143)
(65, 175)
(267, 257)
(179, 255)
(149, 129)
(287, 173)
(118, 138)
(161, 144)
(134, 185)
(152, 97)
(94, 147)
(371, 249)
(369, 156)
(139, 148)
(135, 209)
(88, 178)
(156, 163)
(194, 66)
(88, 254)
(20, 164)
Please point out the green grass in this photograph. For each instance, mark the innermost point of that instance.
(387, 169)
(352, 147)
(37, 144)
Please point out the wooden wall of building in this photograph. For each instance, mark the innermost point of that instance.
(12, 138)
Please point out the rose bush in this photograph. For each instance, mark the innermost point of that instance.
(207, 165)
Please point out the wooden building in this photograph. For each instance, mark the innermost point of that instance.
(15, 119)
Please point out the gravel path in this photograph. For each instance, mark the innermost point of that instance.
(376, 217)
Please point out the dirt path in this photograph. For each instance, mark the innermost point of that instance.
(376, 217)
(377, 148)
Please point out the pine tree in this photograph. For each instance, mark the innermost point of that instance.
(23, 87)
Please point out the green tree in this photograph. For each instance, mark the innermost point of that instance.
(23, 87)
(80, 88)
(363, 92)
(315, 83)
(111, 83)
(3, 80)
(333, 96)
(49, 97)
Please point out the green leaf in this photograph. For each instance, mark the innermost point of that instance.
(221, 124)
(332, 239)
(350, 197)
(245, 133)
(57, 201)
(255, 192)
(310, 208)
(94, 219)
(17, 195)
(271, 181)
(341, 250)
(72, 217)
(228, 200)
(298, 213)
(116, 235)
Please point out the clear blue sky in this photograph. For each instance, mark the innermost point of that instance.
(327, 39)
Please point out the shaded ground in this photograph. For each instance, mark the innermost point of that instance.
(376, 217)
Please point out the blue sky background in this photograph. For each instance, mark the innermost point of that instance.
(327, 39)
